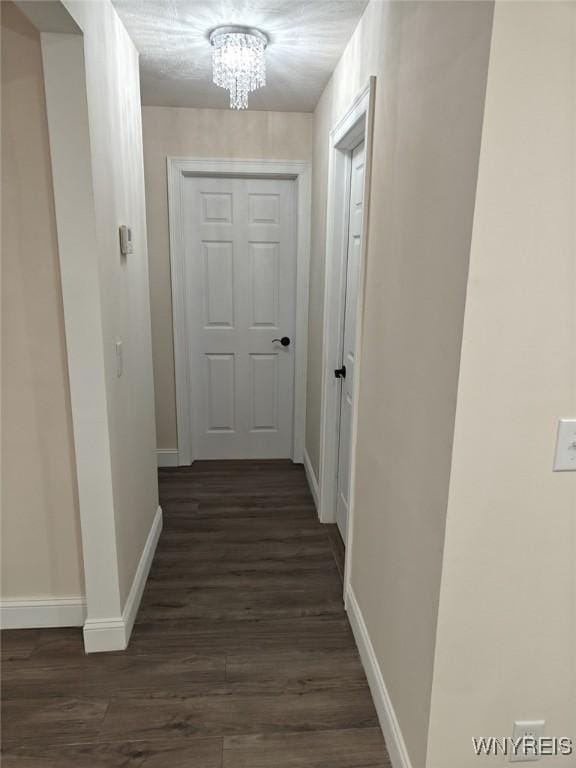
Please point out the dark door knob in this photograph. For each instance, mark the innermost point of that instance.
(340, 373)
(285, 341)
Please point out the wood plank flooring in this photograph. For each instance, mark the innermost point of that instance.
(241, 656)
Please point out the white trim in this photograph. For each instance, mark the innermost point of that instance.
(352, 129)
(168, 457)
(387, 717)
(368, 104)
(177, 169)
(114, 634)
(76, 229)
(39, 612)
(348, 132)
(141, 575)
(311, 477)
(102, 635)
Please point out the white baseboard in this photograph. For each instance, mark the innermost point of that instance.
(168, 457)
(312, 480)
(39, 612)
(114, 634)
(102, 635)
(386, 715)
(141, 575)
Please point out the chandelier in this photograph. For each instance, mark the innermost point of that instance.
(238, 62)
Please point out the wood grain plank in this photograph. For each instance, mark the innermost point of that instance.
(23, 761)
(237, 713)
(354, 748)
(18, 643)
(296, 671)
(52, 720)
(175, 753)
(91, 676)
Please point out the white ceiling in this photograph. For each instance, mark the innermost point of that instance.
(307, 38)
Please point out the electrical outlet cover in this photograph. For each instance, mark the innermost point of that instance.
(533, 729)
(565, 458)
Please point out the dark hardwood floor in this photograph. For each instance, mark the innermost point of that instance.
(241, 656)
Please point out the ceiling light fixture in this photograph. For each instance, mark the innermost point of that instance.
(238, 62)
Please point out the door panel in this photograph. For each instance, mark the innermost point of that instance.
(264, 284)
(241, 294)
(220, 393)
(264, 208)
(218, 285)
(217, 207)
(349, 336)
(264, 392)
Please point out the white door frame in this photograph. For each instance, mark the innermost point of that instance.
(353, 128)
(178, 169)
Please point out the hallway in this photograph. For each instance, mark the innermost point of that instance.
(241, 657)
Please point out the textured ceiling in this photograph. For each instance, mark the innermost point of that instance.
(307, 38)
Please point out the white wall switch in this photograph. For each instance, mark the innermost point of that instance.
(565, 458)
(526, 735)
(119, 359)
(125, 240)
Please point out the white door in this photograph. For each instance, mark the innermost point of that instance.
(349, 337)
(241, 298)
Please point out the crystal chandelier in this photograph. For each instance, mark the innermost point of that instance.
(238, 62)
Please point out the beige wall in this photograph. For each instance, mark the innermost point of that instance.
(505, 646)
(431, 61)
(41, 552)
(198, 133)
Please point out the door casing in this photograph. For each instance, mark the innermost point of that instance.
(177, 169)
(348, 351)
(353, 128)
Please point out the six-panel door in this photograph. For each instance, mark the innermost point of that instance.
(241, 287)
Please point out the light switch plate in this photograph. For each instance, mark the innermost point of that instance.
(565, 458)
(119, 359)
(125, 240)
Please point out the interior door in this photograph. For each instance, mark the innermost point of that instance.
(241, 297)
(349, 337)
